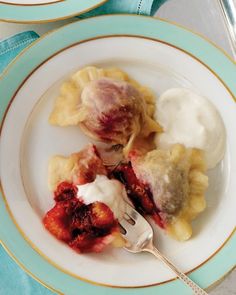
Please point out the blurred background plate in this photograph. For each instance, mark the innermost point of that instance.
(38, 11)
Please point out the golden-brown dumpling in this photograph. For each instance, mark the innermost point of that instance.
(107, 104)
(177, 181)
(78, 168)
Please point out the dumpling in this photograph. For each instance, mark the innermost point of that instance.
(168, 185)
(177, 180)
(108, 106)
(78, 168)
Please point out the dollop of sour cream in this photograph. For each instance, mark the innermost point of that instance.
(192, 120)
(108, 191)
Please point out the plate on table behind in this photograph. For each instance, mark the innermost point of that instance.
(38, 11)
(160, 60)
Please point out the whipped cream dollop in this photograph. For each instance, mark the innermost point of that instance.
(108, 191)
(192, 120)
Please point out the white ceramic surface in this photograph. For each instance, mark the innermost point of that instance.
(28, 140)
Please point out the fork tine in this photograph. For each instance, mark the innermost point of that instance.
(137, 217)
(126, 225)
(132, 212)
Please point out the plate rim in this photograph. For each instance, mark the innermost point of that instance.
(45, 12)
(139, 20)
(8, 207)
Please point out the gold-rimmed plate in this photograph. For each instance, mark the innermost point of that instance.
(39, 11)
(161, 59)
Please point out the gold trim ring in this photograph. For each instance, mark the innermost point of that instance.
(8, 209)
(49, 20)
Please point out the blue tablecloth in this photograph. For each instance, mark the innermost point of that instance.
(13, 280)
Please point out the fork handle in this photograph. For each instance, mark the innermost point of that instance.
(196, 289)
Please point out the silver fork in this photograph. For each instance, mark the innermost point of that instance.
(138, 235)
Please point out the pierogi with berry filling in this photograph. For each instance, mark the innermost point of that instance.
(108, 105)
(88, 204)
(160, 170)
(168, 185)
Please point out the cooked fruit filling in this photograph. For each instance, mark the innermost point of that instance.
(78, 168)
(138, 192)
(168, 185)
(65, 191)
(85, 228)
(88, 203)
(177, 182)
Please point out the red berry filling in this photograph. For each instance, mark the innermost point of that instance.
(90, 165)
(138, 192)
(65, 191)
(85, 228)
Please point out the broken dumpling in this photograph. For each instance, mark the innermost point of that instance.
(168, 185)
(87, 203)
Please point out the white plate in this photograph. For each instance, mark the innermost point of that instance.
(39, 11)
(29, 141)
(30, 2)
